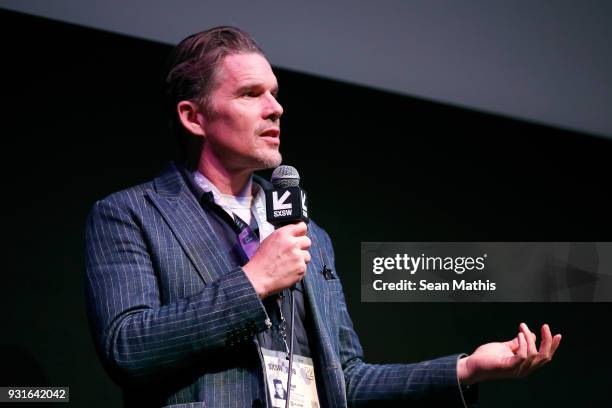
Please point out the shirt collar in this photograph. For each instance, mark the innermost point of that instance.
(205, 186)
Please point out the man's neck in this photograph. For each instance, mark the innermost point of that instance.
(236, 183)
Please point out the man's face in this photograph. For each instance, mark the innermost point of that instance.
(242, 124)
(279, 388)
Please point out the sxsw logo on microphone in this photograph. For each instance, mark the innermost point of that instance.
(286, 205)
(280, 206)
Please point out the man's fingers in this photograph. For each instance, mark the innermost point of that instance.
(298, 229)
(524, 360)
(306, 256)
(530, 338)
(546, 343)
(513, 344)
(543, 355)
(516, 362)
(522, 350)
(304, 242)
(555, 344)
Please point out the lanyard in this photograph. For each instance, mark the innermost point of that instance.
(249, 241)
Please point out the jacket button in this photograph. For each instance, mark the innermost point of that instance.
(257, 403)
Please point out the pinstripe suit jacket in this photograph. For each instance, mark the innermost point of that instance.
(174, 321)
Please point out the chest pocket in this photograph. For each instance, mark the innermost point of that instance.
(332, 293)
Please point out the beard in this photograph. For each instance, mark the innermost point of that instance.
(268, 160)
(258, 159)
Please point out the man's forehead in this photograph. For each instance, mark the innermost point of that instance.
(244, 69)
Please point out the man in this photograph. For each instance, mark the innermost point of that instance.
(186, 312)
(279, 391)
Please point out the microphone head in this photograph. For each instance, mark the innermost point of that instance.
(285, 177)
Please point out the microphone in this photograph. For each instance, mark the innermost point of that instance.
(286, 202)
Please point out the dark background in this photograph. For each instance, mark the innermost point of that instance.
(82, 117)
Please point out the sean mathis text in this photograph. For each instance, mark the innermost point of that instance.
(424, 285)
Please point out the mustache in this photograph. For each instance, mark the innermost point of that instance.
(268, 125)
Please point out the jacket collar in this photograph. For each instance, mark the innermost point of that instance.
(177, 198)
(174, 198)
(175, 178)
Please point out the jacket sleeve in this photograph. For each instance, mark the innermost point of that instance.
(428, 383)
(138, 337)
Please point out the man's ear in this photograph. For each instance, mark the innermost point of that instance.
(191, 116)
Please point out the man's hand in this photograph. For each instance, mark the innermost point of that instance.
(280, 261)
(514, 358)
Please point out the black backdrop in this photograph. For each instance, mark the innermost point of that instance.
(82, 117)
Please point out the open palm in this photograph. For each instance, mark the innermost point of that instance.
(515, 358)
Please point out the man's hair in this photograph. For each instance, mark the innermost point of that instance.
(192, 73)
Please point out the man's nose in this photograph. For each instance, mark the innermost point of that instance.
(273, 110)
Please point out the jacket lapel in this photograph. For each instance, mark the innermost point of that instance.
(189, 223)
